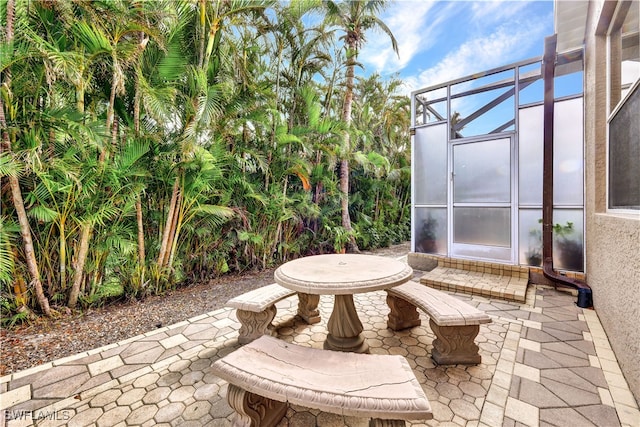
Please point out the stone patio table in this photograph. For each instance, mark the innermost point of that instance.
(341, 275)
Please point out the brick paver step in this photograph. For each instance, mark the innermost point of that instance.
(481, 281)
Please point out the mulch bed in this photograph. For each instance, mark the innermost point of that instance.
(48, 339)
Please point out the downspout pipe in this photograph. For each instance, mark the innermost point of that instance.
(585, 299)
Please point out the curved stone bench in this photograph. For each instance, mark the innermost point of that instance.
(455, 323)
(268, 373)
(256, 309)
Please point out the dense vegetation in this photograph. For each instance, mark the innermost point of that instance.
(147, 144)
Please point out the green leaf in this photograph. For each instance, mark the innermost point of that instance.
(8, 166)
(91, 37)
(43, 213)
(217, 211)
(8, 232)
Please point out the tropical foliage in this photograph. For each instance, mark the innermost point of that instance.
(151, 144)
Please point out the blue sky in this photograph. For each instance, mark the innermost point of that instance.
(440, 41)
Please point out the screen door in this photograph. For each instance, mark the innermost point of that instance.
(481, 203)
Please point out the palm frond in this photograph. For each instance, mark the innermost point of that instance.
(43, 213)
(8, 233)
(133, 151)
(92, 37)
(8, 165)
(218, 214)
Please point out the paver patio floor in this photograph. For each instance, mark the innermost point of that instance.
(544, 362)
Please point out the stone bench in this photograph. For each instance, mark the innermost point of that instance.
(454, 323)
(267, 374)
(256, 309)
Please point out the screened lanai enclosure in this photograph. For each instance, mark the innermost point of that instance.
(477, 147)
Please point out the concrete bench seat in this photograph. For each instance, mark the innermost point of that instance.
(256, 310)
(455, 323)
(267, 374)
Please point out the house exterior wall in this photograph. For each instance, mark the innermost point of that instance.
(613, 239)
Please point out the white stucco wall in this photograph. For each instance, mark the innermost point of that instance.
(614, 276)
(612, 240)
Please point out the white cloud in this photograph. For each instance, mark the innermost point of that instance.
(414, 29)
(496, 10)
(443, 40)
(496, 49)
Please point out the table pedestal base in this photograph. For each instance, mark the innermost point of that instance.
(345, 327)
(353, 345)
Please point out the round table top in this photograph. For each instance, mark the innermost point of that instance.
(342, 274)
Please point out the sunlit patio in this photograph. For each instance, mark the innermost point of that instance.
(544, 362)
(478, 205)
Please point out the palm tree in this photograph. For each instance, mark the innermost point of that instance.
(206, 90)
(323, 133)
(354, 18)
(16, 191)
(380, 178)
(120, 33)
(133, 130)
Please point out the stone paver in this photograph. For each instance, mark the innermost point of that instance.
(544, 362)
(478, 278)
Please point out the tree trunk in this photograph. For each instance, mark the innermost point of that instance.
(83, 250)
(9, 38)
(278, 236)
(141, 248)
(202, 6)
(175, 231)
(111, 108)
(166, 235)
(16, 192)
(136, 129)
(344, 189)
(63, 251)
(25, 229)
(20, 292)
(29, 252)
(136, 105)
(80, 97)
(112, 95)
(344, 162)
